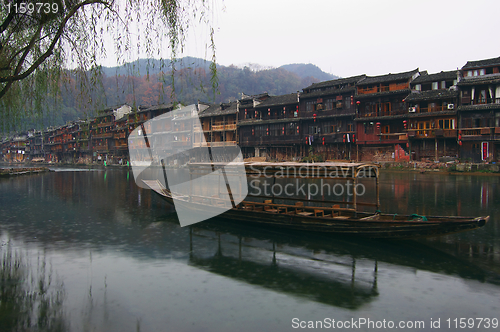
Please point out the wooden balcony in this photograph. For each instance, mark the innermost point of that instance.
(103, 135)
(432, 109)
(219, 127)
(383, 88)
(101, 148)
(433, 133)
(226, 143)
(471, 132)
(364, 91)
(382, 113)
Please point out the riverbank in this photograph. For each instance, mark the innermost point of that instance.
(443, 167)
(413, 166)
(5, 172)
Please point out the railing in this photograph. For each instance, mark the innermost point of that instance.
(383, 88)
(432, 109)
(398, 86)
(105, 124)
(226, 143)
(105, 135)
(363, 91)
(218, 127)
(471, 132)
(480, 101)
(382, 113)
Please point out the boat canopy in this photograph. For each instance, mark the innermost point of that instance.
(339, 170)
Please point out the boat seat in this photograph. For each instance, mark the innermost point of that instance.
(335, 213)
(319, 213)
(299, 207)
(305, 213)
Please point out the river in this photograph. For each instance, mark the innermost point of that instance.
(87, 250)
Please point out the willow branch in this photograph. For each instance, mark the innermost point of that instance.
(49, 51)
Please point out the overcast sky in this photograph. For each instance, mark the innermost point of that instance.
(353, 37)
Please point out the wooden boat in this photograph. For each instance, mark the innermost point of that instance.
(319, 215)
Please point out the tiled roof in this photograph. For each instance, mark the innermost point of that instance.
(279, 100)
(339, 81)
(442, 76)
(219, 109)
(432, 95)
(388, 78)
(482, 63)
(331, 92)
(158, 107)
(483, 79)
(481, 107)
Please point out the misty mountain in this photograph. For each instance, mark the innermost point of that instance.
(309, 70)
(148, 82)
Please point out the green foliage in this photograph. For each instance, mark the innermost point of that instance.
(37, 48)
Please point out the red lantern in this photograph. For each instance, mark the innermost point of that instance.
(323, 141)
(255, 114)
(460, 143)
(306, 140)
(267, 131)
(378, 125)
(353, 138)
(297, 129)
(358, 102)
(344, 138)
(404, 124)
(269, 112)
(314, 117)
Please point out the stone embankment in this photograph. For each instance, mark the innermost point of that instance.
(4, 172)
(450, 167)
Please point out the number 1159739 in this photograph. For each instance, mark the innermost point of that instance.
(463, 323)
(32, 7)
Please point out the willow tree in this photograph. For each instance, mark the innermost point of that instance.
(39, 39)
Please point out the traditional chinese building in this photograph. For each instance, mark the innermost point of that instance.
(381, 112)
(432, 116)
(479, 112)
(327, 113)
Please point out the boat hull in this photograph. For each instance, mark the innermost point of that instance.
(371, 225)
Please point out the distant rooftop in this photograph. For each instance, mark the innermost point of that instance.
(482, 63)
(388, 78)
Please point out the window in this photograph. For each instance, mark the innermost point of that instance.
(347, 103)
(329, 104)
(418, 87)
(434, 85)
(310, 106)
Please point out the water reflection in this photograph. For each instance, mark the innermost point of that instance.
(30, 297)
(126, 264)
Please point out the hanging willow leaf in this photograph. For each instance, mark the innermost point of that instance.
(39, 44)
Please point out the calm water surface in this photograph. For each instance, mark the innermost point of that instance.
(86, 250)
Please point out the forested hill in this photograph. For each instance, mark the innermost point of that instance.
(143, 84)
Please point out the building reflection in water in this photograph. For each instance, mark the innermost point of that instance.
(338, 280)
